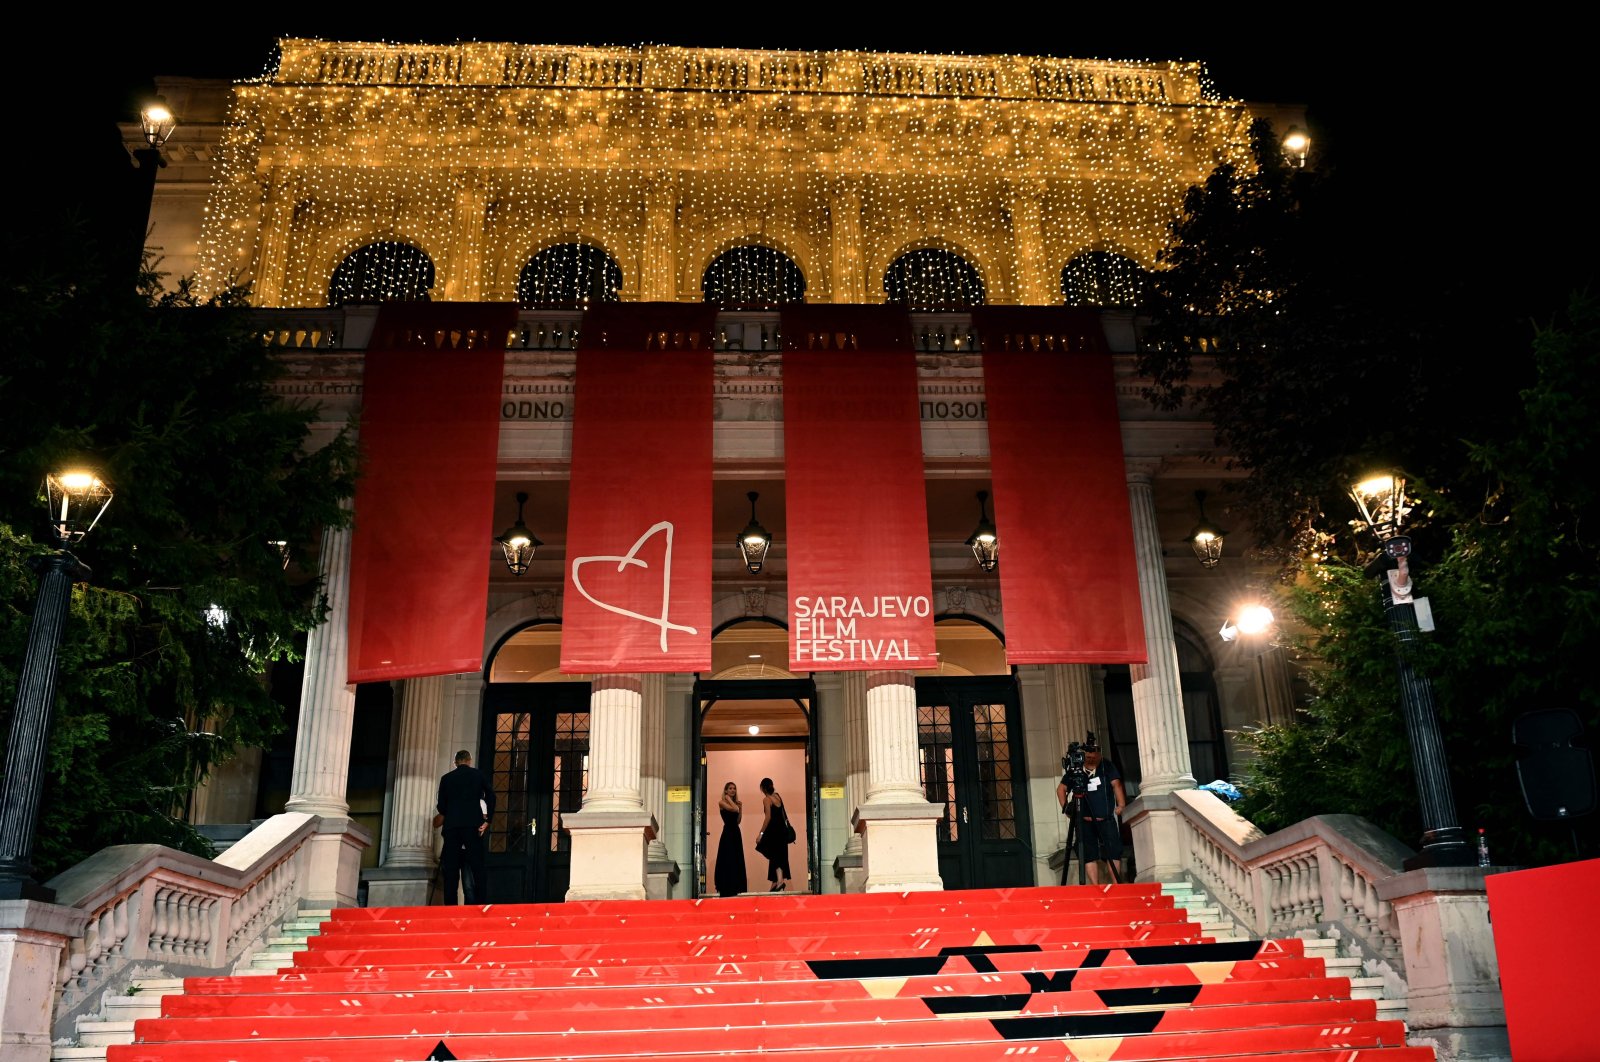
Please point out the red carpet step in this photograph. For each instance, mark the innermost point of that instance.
(1072, 973)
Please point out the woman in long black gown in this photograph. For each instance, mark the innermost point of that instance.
(773, 840)
(729, 875)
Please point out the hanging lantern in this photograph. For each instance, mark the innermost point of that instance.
(984, 542)
(518, 542)
(1206, 538)
(754, 540)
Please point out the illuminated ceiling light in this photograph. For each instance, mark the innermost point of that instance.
(754, 730)
(1206, 538)
(754, 540)
(1296, 145)
(518, 542)
(983, 541)
(77, 499)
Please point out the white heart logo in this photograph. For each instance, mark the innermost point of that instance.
(631, 557)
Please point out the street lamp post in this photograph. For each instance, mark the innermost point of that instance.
(1381, 500)
(76, 501)
(157, 122)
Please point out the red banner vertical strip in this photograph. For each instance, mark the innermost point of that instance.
(1069, 583)
(860, 579)
(430, 436)
(638, 553)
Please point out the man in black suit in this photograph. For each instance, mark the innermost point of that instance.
(466, 805)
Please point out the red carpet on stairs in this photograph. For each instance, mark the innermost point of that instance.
(1083, 973)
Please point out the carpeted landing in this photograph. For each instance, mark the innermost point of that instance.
(1090, 973)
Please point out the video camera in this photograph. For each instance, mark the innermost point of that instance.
(1077, 776)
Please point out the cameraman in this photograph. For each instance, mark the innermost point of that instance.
(1099, 806)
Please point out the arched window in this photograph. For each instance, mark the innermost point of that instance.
(569, 274)
(753, 278)
(1100, 278)
(933, 279)
(386, 271)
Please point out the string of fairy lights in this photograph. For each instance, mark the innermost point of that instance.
(568, 175)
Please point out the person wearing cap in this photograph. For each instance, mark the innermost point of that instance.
(1103, 801)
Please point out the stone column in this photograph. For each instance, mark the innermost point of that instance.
(1033, 286)
(897, 824)
(1072, 686)
(854, 689)
(658, 275)
(849, 270)
(407, 871)
(610, 832)
(1157, 695)
(1157, 702)
(662, 868)
(327, 701)
(322, 741)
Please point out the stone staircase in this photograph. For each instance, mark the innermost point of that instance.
(114, 1023)
(1388, 992)
(1070, 974)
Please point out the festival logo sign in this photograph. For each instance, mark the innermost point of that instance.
(860, 584)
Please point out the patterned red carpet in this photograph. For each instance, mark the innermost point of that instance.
(1075, 973)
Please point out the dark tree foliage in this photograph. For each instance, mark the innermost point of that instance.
(1317, 354)
(1317, 360)
(1516, 590)
(170, 399)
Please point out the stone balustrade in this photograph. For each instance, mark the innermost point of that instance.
(1319, 874)
(149, 907)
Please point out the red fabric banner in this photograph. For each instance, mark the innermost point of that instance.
(430, 433)
(860, 584)
(638, 580)
(1069, 584)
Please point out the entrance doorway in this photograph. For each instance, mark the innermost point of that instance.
(534, 746)
(747, 730)
(970, 741)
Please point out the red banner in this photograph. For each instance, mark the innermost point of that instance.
(1069, 584)
(430, 432)
(860, 585)
(638, 581)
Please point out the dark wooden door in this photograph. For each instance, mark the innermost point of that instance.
(969, 733)
(536, 737)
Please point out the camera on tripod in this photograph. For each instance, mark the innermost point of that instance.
(1077, 776)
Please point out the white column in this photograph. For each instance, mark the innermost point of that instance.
(1157, 695)
(417, 771)
(615, 708)
(853, 687)
(327, 702)
(1073, 692)
(653, 758)
(612, 829)
(899, 843)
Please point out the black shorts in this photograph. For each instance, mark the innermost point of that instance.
(1102, 839)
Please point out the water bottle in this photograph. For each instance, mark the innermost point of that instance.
(1483, 848)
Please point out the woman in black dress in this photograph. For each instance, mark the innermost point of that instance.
(729, 875)
(773, 841)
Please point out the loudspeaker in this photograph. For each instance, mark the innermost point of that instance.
(1554, 764)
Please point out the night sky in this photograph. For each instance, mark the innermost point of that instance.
(1456, 146)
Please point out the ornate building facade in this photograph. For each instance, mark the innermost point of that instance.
(561, 179)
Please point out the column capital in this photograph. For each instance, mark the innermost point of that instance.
(1142, 471)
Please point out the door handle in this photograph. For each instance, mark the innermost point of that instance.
(533, 827)
(963, 815)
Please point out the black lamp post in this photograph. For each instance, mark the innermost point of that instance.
(1381, 500)
(157, 122)
(76, 501)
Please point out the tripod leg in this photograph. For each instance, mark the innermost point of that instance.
(1066, 858)
(1083, 863)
